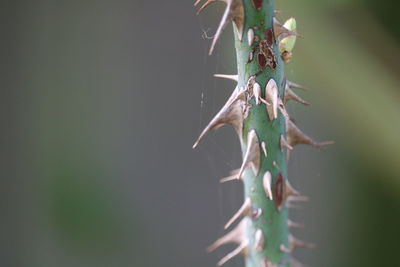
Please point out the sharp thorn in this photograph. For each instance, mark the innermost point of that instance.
(296, 137)
(231, 113)
(271, 95)
(264, 148)
(227, 76)
(282, 32)
(295, 85)
(295, 243)
(206, 4)
(244, 210)
(267, 180)
(233, 177)
(257, 92)
(289, 190)
(240, 249)
(250, 36)
(292, 224)
(259, 240)
(290, 95)
(297, 198)
(284, 144)
(236, 235)
(252, 154)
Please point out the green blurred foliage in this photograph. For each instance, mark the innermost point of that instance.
(79, 209)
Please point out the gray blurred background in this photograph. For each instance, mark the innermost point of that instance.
(101, 102)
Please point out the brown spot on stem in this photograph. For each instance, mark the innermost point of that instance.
(261, 60)
(279, 190)
(268, 53)
(257, 4)
(269, 36)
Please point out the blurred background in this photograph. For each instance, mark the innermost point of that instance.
(101, 102)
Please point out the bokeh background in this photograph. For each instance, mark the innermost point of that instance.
(102, 100)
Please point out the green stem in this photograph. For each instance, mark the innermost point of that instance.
(272, 222)
(257, 112)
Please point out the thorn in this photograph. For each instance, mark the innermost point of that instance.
(295, 85)
(289, 190)
(206, 4)
(326, 143)
(295, 243)
(267, 180)
(257, 92)
(238, 17)
(286, 45)
(296, 137)
(234, 11)
(259, 240)
(283, 191)
(282, 32)
(284, 249)
(237, 235)
(244, 210)
(297, 198)
(284, 144)
(264, 148)
(282, 108)
(227, 76)
(271, 95)
(290, 95)
(292, 224)
(231, 177)
(240, 249)
(221, 26)
(252, 155)
(231, 113)
(254, 89)
(251, 56)
(250, 36)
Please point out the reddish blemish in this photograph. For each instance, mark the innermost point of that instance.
(257, 4)
(278, 190)
(261, 60)
(269, 36)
